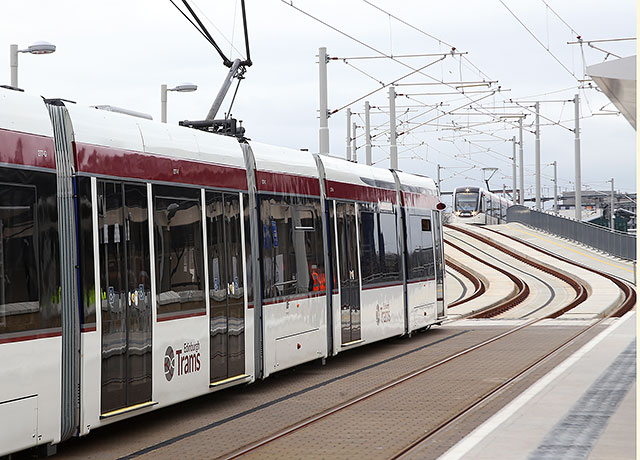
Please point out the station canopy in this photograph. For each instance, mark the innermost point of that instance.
(617, 79)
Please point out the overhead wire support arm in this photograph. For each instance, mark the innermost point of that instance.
(388, 84)
(398, 56)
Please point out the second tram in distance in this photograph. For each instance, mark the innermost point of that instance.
(476, 205)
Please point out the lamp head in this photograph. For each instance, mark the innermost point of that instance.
(185, 88)
(41, 48)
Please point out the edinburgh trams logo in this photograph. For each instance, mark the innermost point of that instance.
(169, 364)
(383, 313)
(185, 360)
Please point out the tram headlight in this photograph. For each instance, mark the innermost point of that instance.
(473, 213)
(457, 213)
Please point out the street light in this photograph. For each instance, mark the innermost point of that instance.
(181, 88)
(36, 48)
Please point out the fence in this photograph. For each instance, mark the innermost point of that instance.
(619, 244)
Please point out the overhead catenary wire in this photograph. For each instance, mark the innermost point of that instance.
(385, 85)
(420, 31)
(538, 40)
(559, 17)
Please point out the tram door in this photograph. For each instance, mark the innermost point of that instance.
(125, 286)
(226, 290)
(439, 263)
(349, 272)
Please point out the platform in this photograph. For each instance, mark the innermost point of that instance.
(584, 408)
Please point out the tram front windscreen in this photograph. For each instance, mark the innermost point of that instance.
(466, 201)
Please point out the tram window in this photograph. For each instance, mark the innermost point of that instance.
(389, 251)
(420, 263)
(19, 290)
(179, 253)
(247, 248)
(369, 250)
(333, 248)
(379, 253)
(292, 248)
(29, 252)
(87, 269)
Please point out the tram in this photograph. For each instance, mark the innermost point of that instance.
(143, 264)
(475, 205)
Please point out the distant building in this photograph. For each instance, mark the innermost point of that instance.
(598, 203)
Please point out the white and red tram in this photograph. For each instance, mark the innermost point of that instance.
(142, 264)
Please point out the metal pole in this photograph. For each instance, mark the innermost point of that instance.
(438, 178)
(13, 63)
(163, 103)
(323, 146)
(353, 146)
(555, 187)
(515, 172)
(538, 201)
(393, 149)
(521, 160)
(213, 111)
(613, 195)
(348, 134)
(367, 132)
(578, 180)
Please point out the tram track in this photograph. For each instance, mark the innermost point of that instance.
(307, 423)
(478, 284)
(628, 290)
(418, 444)
(522, 288)
(538, 279)
(578, 286)
(255, 449)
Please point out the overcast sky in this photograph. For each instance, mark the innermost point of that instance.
(120, 52)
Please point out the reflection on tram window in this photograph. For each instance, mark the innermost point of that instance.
(178, 248)
(420, 263)
(247, 248)
(333, 249)
(29, 252)
(293, 258)
(379, 252)
(19, 295)
(85, 254)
